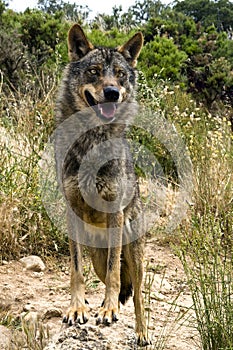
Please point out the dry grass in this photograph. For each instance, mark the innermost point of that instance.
(204, 244)
(26, 123)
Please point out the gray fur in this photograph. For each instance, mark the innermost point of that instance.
(92, 153)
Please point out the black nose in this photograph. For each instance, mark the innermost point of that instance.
(111, 93)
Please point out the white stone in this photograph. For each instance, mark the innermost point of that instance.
(33, 263)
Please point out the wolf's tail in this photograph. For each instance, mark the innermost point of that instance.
(126, 283)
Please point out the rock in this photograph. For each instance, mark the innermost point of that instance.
(5, 336)
(28, 307)
(80, 338)
(31, 317)
(33, 263)
(52, 312)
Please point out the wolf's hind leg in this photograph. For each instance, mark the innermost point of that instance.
(133, 254)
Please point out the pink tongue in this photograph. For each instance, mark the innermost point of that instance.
(107, 109)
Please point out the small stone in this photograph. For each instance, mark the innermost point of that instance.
(53, 312)
(33, 263)
(38, 274)
(27, 307)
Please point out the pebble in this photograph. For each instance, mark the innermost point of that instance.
(33, 263)
(52, 312)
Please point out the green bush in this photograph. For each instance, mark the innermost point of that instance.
(163, 58)
(42, 34)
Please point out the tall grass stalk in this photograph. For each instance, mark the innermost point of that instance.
(208, 262)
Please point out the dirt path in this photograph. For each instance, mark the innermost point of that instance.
(46, 295)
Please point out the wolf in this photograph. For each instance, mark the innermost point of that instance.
(95, 105)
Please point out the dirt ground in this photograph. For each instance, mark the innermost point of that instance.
(45, 295)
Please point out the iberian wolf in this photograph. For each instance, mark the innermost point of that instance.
(95, 105)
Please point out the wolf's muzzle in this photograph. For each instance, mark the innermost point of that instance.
(111, 93)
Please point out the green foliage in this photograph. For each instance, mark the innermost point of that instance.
(136, 16)
(40, 33)
(208, 12)
(32, 43)
(202, 45)
(2, 7)
(12, 56)
(224, 47)
(162, 57)
(209, 74)
(70, 11)
(142, 11)
(35, 41)
(171, 24)
(109, 38)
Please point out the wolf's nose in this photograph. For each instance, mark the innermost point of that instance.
(111, 93)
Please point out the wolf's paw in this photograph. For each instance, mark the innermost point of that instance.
(107, 315)
(142, 339)
(76, 315)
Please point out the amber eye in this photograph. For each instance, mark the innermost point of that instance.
(121, 74)
(93, 71)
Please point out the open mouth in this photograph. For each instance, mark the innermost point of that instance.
(105, 111)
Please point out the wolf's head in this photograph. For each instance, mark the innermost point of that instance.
(101, 77)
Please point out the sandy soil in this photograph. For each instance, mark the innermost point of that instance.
(45, 296)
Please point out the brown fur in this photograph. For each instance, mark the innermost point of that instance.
(99, 85)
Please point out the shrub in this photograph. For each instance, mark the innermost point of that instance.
(161, 57)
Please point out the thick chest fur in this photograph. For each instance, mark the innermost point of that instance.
(99, 161)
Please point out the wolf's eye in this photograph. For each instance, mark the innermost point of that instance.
(93, 71)
(121, 74)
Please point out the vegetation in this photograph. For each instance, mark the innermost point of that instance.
(186, 75)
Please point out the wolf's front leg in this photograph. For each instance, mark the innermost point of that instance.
(109, 311)
(78, 311)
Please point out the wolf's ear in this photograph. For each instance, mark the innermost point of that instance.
(78, 45)
(132, 48)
